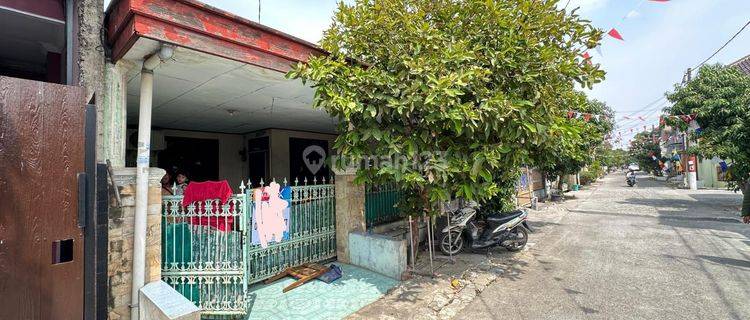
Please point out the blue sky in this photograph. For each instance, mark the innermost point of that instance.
(661, 41)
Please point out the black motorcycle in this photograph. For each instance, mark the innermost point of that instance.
(508, 230)
(630, 179)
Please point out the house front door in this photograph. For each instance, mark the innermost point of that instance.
(41, 171)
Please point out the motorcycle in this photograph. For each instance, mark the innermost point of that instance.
(630, 178)
(508, 230)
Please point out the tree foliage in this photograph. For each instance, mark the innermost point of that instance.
(461, 89)
(719, 96)
(577, 141)
(643, 149)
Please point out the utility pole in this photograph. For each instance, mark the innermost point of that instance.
(691, 178)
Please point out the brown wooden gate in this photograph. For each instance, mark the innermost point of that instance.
(41, 242)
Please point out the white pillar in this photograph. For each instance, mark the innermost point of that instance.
(691, 172)
(141, 188)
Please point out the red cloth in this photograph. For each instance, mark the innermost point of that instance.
(201, 191)
(210, 190)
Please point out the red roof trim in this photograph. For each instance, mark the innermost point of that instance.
(198, 26)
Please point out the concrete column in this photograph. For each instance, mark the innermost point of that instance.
(121, 230)
(692, 178)
(113, 126)
(350, 210)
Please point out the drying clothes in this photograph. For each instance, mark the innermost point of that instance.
(207, 190)
(286, 194)
(724, 166)
(268, 215)
(210, 190)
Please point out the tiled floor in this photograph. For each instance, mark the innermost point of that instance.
(318, 300)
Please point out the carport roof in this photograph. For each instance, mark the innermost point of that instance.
(198, 26)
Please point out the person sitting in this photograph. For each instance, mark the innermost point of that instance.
(166, 185)
(182, 183)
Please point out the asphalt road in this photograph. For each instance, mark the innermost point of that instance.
(649, 252)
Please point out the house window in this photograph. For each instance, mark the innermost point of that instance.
(307, 159)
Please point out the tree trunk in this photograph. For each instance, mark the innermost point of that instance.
(746, 199)
(414, 225)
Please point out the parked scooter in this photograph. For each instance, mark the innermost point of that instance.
(630, 178)
(508, 230)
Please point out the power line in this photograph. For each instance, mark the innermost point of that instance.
(724, 46)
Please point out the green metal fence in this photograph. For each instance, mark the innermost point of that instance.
(202, 252)
(380, 204)
(207, 253)
(312, 234)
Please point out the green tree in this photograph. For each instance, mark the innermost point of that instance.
(720, 98)
(643, 149)
(577, 140)
(462, 89)
(614, 158)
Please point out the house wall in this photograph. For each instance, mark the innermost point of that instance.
(231, 166)
(707, 172)
(279, 148)
(112, 127)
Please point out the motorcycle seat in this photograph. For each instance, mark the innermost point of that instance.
(501, 218)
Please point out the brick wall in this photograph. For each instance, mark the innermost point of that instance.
(121, 221)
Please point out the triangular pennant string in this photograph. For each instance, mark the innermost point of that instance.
(615, 34)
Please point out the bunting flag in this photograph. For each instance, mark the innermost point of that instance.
(586, 55)
(586, 116)
(642, 118)
(599, 50)
(626, 117)
(615, 34)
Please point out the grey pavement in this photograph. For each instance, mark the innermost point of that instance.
(649, 252)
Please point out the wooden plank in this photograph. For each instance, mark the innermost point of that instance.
(63, 142)
(201, 18)
(165, 32)
(42, 150)
(194, 25)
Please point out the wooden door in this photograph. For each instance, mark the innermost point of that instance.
(41, 244)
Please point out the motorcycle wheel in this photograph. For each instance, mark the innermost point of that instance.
(520, 242)
(456, 247)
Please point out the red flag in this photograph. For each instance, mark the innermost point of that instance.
(587, 57)
(571, 114)
(614, 34)
(586, 117)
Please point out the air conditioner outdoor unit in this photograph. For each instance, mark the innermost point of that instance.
(157, 140)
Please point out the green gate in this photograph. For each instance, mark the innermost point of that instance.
(207, 253)
(380, 204)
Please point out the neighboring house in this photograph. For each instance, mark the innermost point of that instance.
(53, 227)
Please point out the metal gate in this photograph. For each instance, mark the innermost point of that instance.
(41, 215)
(207, 250)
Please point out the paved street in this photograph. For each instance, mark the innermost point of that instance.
(649, 252)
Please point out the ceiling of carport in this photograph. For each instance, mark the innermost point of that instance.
(198, 91)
